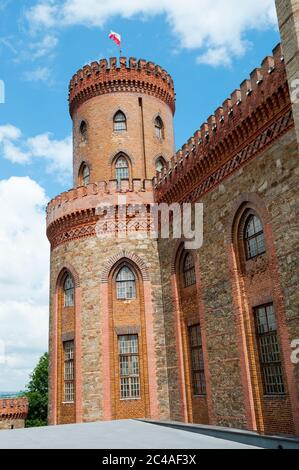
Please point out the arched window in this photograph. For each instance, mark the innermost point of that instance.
(84, 174)
(189, 270)
(160, 164)
(83, 130)
(125, 284)
(120, 122)
(159, 128)
(69, 291)
(254, 237)
(121, 169)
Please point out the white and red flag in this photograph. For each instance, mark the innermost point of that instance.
(115, 37)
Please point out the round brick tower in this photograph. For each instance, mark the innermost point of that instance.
(141, 94)
(107, 354)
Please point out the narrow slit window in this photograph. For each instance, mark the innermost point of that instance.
(159, 128)
(85, 175)
(83, 130)
(197, 362)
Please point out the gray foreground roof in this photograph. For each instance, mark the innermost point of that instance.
(124, 434)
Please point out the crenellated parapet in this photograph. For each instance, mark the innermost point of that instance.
(77, 213)
(13, 408)
(247, 122)
(127, 75)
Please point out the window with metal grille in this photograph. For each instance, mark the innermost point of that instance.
(69, 392)
(85, 175)
(125, 284)
(120, 122)
(129, 366)
(269, 350)
(189, 270)
(197, 362)
(254, 237)
(159, 127)
(122, 169)
(69, 291)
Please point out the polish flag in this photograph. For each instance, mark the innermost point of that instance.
(115, 37)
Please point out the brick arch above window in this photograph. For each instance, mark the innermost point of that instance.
(67, 268)
(118, 153)
(244, 202)
(124, 255)
(177, 253)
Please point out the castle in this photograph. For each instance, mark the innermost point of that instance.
(140, 326)
(13, 412)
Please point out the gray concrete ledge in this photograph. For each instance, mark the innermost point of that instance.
(229, 434)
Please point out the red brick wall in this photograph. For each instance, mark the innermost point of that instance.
(103, 143)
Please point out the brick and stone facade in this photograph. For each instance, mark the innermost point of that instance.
(242, 162)
(13, 412)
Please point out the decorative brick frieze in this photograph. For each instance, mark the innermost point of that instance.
(74, 214)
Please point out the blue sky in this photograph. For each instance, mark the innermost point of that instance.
(207, 47)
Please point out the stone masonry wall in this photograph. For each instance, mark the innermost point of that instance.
(273, 176)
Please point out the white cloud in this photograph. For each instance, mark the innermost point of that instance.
(57, 154)
(8, 136)
(216, 28)
(215, 57)
(43, 47)
(41, 74)
(24, 258)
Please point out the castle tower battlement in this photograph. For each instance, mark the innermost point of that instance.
(129, 75)
(140, 94)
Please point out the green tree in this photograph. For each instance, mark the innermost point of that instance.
(37, 394)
